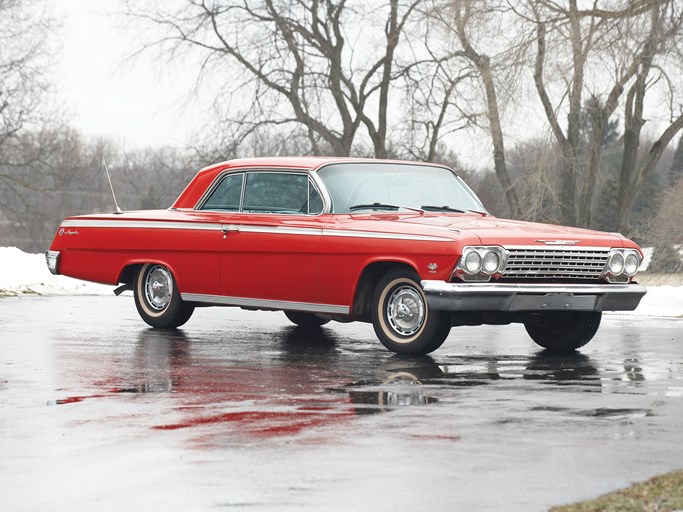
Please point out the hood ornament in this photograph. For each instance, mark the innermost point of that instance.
(559, 242)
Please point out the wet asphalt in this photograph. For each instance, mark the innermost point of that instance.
(243, 410)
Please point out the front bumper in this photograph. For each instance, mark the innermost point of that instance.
(532, 297)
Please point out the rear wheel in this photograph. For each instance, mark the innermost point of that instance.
(402, 319)
(305, 319)
(563, 331)
(157, 298)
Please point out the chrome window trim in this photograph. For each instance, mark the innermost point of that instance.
(214, 185)
(317, 183)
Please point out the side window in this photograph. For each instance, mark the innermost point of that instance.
(226, 196)
(270, 192)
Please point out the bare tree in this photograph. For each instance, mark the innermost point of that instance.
(621, 43)
(25, 123)
(332, 62)
(664, 40)
(435, 83)
(472, 22)
(24, 59)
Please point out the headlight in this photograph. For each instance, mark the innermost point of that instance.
(490, 262)
(622, 265)
(631, 263)
(616, 263)
(472, 262)
(480, 263)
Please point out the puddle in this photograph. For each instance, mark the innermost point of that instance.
(613, 413)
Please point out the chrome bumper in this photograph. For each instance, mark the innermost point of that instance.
(532, 297)
(52, 260)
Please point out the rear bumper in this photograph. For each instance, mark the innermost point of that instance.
(532, 297)
(52, 260)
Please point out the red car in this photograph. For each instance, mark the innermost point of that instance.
(404, 245)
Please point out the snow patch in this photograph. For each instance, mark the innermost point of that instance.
(665, 301)
(27, 274)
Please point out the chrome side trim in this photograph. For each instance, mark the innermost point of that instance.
(389, 236)
(248, 228)
(145, 224)
(282, 230)
(221, 300)
(532, 297)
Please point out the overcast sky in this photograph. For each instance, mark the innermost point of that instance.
(108, 94)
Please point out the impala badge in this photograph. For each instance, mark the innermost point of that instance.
(432, 268)
(559, 242)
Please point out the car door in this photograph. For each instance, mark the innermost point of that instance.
(270, 248)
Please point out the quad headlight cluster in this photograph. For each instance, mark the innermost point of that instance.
(480, 263)
(622, 264)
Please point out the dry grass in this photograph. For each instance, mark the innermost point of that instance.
(663, 493)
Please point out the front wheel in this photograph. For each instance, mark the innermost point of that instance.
(157, 298)
(401, 316)
(563, 331)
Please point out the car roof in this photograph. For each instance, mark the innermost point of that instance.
(297, 162)
(205, 176)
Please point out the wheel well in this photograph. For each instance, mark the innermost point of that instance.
(367, 283)
(127, 275)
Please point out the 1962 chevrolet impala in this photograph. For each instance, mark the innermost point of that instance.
(404, 245)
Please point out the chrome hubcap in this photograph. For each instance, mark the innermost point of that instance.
(158, 287)
(405, 310)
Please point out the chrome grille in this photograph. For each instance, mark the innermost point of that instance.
(556, 263)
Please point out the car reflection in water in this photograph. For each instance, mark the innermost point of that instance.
(306, 381)
(404, 390)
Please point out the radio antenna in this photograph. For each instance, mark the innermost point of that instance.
(106, 169)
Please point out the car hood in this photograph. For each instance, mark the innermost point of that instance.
(489, 230)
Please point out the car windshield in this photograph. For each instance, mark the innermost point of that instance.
(363, 187)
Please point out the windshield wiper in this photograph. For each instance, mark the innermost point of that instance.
(431, 208)
(382, 206)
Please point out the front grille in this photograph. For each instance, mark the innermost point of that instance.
(570, 263)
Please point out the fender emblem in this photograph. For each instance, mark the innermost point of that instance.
(559, 242)
(432, 267)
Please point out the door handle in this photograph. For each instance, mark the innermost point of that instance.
(229, 229)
